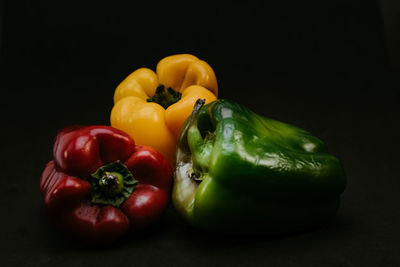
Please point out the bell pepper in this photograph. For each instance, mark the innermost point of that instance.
(152, 107)
(100, 184)
(239, 172)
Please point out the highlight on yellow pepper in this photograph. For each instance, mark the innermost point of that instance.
(152, 106)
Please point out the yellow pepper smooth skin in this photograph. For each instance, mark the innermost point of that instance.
(152, 106)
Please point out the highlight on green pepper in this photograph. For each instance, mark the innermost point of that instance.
(239, 172)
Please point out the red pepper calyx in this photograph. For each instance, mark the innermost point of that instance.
(112, 184)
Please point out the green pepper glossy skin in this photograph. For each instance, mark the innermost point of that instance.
(239, 172)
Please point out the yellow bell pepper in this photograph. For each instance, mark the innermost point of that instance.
(152, 106)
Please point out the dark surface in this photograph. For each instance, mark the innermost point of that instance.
(391, 20)
(321, 65)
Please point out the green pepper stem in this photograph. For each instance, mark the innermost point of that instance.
(200, 148)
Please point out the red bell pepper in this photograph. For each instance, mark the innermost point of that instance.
(100, 184)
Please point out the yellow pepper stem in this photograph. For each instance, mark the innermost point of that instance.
(165, 96)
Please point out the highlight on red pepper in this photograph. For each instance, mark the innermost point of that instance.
(100, 184)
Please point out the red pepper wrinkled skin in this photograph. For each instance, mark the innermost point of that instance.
(78, 152)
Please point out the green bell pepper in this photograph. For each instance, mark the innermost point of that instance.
(239, 172)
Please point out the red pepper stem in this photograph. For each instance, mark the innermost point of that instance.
(112, 184)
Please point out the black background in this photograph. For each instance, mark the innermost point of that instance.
(321, 65)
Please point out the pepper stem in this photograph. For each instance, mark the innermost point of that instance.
(200, 148)
(165, 96)
(112, 184)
